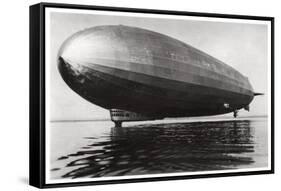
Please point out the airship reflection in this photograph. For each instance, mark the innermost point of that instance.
(165, 148)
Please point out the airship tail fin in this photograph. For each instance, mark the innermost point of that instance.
(257, 94)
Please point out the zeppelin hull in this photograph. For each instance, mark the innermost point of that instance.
(115, 88)
(158, 76)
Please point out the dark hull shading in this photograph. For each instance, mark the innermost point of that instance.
(163, 98)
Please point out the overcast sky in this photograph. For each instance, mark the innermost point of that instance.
(242, 46)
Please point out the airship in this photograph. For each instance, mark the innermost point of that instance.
(138, 74)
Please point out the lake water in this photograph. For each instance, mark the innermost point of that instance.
(97, 149)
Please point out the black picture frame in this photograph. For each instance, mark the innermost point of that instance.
(38, 95)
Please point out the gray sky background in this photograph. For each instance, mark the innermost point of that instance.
(242, 46)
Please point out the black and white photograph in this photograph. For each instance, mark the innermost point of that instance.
(131, 95)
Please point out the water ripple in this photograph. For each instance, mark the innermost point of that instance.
(163, 148)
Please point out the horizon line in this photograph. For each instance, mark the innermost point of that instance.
(108, 119)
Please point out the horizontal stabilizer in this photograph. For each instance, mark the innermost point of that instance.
(257, 94)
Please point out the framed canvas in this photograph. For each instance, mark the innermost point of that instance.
(122, 95)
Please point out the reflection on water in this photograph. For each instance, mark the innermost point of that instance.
(163, 148)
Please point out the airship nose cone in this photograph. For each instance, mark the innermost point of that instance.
(80, 53)
(72, 74)
(66, 70)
